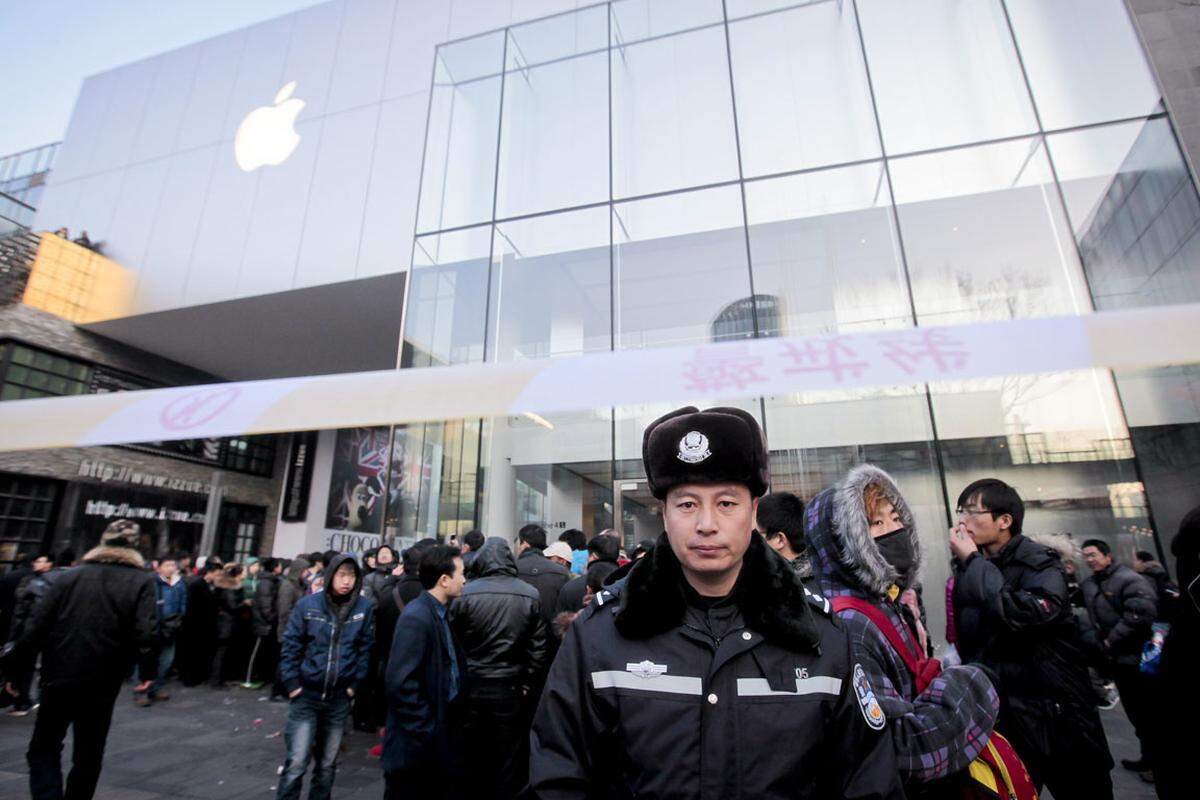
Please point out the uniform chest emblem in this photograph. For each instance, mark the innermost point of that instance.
(693, 448)
(646, 669)
(867, 702)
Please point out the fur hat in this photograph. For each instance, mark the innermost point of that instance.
(717, 445)
(121, 533)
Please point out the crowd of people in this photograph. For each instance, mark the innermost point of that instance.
(762, 646)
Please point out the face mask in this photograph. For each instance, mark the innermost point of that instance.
(896, 548)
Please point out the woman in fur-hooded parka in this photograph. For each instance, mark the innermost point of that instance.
(941, 730)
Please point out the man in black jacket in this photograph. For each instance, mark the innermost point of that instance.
(1122, 606)
(538, 571)
(1012, 614)
(93, 622)
(425, 674)
(264, 619)
(499, 623)
(708, 673)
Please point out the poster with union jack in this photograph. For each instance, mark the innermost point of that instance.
(358, 481)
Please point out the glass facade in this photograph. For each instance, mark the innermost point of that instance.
(23, 174)
(641, 174)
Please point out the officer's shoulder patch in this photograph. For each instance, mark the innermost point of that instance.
(867, 701)
(818, 601)
(605, 598)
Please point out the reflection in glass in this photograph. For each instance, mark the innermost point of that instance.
(802, 96)
(1135, 212)
(447, 301)
(1137, 219)
(1084, 61)
(944, 72)
(985, 235)
(460, 140)
(678, 262)
(672, 114)
(551, 286)
(554, 142)
(823, 247)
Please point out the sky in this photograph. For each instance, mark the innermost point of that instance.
(50, 46)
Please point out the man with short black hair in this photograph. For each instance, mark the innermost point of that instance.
(533, 567)
(1122, 606)
(1167, 593)
(171, 602)
(578, 543)
(94, 622)
(424, 681)
(1012, 615)
(30, 590)
(602, 553)
(780, 519)
(472, 541)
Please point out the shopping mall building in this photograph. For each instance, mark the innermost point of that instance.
(369, 183)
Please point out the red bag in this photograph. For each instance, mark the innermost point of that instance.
(998, 771)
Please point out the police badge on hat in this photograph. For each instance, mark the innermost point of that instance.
(693, 448)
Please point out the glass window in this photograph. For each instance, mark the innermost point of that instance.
(944, 72)
(679, 261)
(824, 253)
(551, 285)
(672, 114)
(460, 146)
(554, 141)
(1084, 61)
(985, 235)
(550, 469)
(1135, 212)
(447, 303)
(802, 96)
(637, 20)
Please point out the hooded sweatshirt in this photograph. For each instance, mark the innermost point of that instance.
(941, 730)
(327, 643)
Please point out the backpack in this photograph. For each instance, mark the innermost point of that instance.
(998, 771)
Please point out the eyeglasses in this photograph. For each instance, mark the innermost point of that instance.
(971, 512)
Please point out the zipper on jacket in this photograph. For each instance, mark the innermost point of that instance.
(333, 644)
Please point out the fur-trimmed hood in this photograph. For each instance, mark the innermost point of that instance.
(108, 554)
(768, 594)
(844, 557)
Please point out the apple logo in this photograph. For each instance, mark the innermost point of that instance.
(267, 135)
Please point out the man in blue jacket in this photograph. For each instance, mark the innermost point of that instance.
(424, 682)
(171, 591)
(325, 656)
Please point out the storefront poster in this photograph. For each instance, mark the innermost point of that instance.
(358, 481)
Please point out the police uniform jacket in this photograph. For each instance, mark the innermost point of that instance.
(655, 695)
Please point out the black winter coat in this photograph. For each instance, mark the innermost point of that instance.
(264, 612)
(498, 619)
(291, 589)
(1013, 615)
(421, 727)
(228, 596)
(544, 575)
(94, 623)
(1121, 605)
(652, 696)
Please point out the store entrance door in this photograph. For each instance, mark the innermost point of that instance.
(637, 511)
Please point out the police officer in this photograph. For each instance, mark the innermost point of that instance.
(708, 672)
